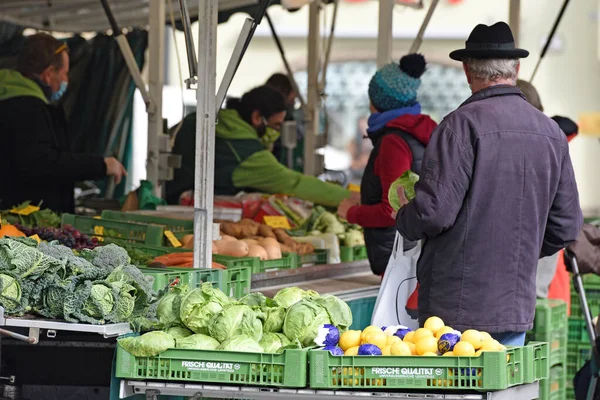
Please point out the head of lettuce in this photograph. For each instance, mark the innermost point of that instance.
(407, 180)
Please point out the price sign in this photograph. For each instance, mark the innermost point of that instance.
(277, 222)
(99, 230)
(25, 210)
(36, 238)
(172, 239)
(354, 188)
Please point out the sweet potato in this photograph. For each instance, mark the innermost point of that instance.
(250, 241)
(235, 249)
(232, 229)
(258, 251)
(266, 231)
(247, 221)
(228, 238)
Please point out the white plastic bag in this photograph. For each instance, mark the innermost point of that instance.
(399, 284)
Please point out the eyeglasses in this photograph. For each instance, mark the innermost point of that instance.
(61, 48)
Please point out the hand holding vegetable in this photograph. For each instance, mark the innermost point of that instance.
(115, 168)
(346, 205)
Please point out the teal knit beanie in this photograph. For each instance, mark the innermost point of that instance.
(395, 85)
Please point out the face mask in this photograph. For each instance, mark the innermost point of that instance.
(60, 92)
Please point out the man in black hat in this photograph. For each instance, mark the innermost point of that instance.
(496, 193)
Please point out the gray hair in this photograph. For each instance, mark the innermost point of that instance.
(493, 69)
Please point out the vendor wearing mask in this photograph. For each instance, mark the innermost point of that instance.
(245, 132)
(37, 161)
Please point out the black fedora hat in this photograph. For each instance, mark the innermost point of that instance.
(495, 41)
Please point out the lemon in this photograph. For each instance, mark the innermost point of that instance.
(349, 339)
(427, 345)
(420, 334)
(485, 336)
(413, 348)
(491, 345)
(373, 337)
(444, 330)
(400, 349)
(434, 324)
(464, 349)
(386, 350)
(429, 354)
(391, 340)
(448, 354)
(472, 336)
(409, 337)
(370, 329)
(352, 351)
(478, 353)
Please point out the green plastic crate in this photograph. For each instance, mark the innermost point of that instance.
(557, 341)
(578, 331)
(549, 315)
(577, 355)
(287, 261)
(172, 224)
(554, 388)
(237, 281)
(593, 300)
(319, 257)
(362, 312)
(237, 262)
(536, 361)
(490, 371)
(151, 251)
(116, 231)
(193, 277)
(348, 254)
(223, 367)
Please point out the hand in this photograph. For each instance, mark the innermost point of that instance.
(346, 205)
(401, 196)
(115, 168)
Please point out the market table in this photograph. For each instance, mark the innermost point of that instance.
(198, 391)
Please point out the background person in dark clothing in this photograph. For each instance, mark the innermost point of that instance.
(399, 133)
(37, 162)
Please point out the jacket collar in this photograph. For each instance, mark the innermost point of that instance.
(493, 91)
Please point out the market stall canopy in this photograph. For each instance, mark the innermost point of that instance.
(88, 15)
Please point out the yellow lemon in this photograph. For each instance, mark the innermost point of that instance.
(352, 351)
(373, 337)
(472, 336)
(400, 349)
(491, 345)
(386, 350)
(391, 340)
(413, 348)
(409, 337)
(478, 353)
(370, 329)
(349, 339)
(434, 324)
(444, 330)
(429, 354)
(427, 345)
(485, 336)
(420, 334)
(448, 354)
(464, 349)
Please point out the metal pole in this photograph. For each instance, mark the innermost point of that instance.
(550, 37)
(156, 65)
(189, 42)
(419, 39)
(205, 132)
(286, 64)
(384, 36)
(329, 47)
(514, 19)
(313, 98)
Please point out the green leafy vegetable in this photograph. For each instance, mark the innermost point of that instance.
(235, 320)
(273, 319)
(339, 312)
(303, 320)
(169, 307)
(200, 305)
(273, 342)
(179, 332)
(197, 342)
(407, 180)
(149, 344)
(289, 296)
(241, 343)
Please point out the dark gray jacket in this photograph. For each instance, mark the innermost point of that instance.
(497, 192)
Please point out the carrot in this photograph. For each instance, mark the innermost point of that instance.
(216, 265)
(175, 259)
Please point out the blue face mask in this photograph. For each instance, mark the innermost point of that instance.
(60, 92)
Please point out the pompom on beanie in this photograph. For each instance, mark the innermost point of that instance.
(395, 85)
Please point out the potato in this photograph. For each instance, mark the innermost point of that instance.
(228, 238)
(266, 231)
(273, 251)
(257, 251)
(268, 242)
(250, 241)
(235, 249)
(247, 221)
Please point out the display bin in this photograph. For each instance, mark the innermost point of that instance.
(287, 261)
(592, 295)
(550, 315)
(171, 224)
(362, 312)
(557, 341)
(116, 231)
(554, 388)
(150, 251)
(577, 355)
(348, 254)
(193, 277)
(490, 371)
(536, 361)
(319, 257)
(578, 331)
(223, 367)
(237, 262)
(238, 282)
(591, 281)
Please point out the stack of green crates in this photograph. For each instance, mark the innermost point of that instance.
(551, 326)
(579, 348)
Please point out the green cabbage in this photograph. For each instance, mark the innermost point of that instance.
(169, 307)
(287, 297)
(101, 301)
(236, 320)
(179, 332)
(339, 312)
(273, 342)
(200, 305)
(197, 342)
(10, 292)
(149, 344)
(241, 343)
(406, 180)
(257, 299)
(303, 320)
(273, 319)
